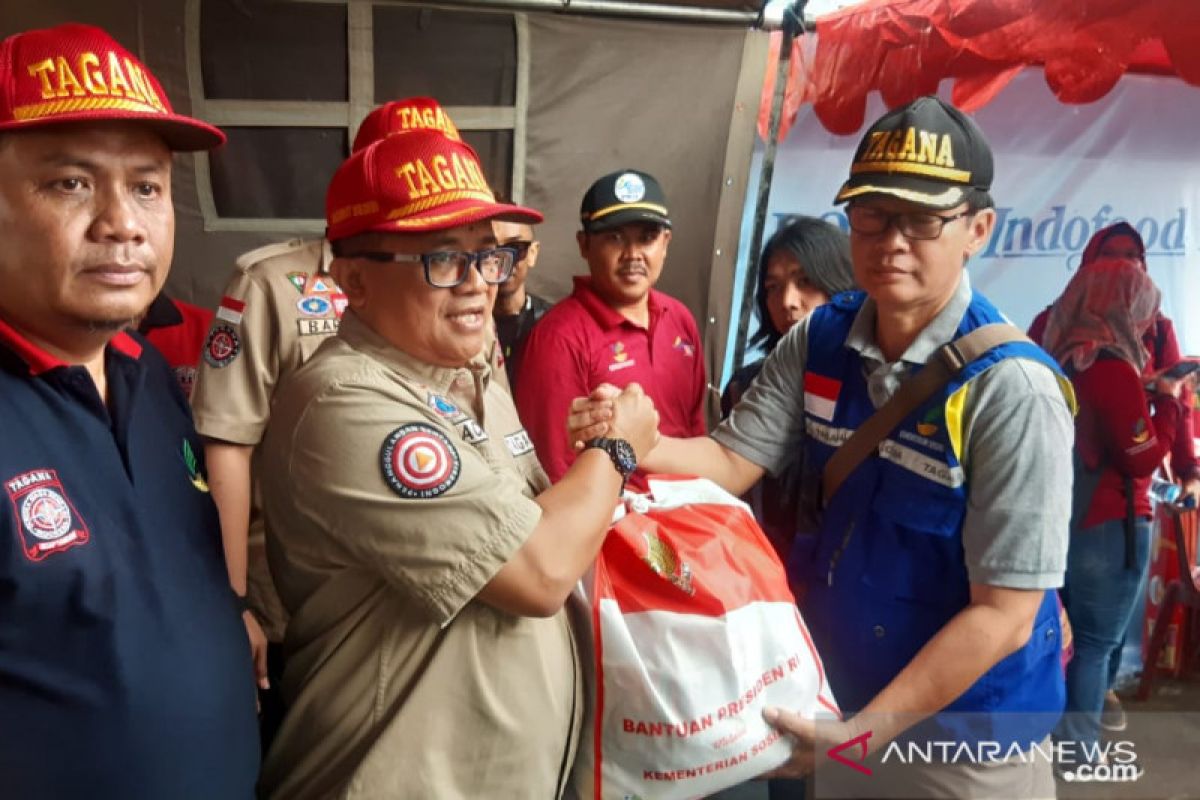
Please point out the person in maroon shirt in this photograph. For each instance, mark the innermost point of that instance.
(1123, 240)
(1095, 330)
(615, 327)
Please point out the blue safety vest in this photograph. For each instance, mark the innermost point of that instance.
(885, 570)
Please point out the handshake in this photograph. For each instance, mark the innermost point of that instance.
(614, 413)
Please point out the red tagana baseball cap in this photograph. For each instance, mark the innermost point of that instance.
(404, 116)
(78, 73)
(415, 183)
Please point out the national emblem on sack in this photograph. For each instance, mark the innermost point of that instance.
(663, 559)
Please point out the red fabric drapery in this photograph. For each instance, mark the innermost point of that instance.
(903, 48)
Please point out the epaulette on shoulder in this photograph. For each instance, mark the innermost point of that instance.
(849, 301)
(247, 261)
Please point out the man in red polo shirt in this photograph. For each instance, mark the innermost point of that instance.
(614, 328)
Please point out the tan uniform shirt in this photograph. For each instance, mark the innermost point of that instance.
(276, 310)
(394, 491)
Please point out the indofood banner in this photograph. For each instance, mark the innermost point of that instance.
(1062, 173)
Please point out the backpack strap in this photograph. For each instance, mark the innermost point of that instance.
(945, 363)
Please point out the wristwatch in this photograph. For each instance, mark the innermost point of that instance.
(621, 453)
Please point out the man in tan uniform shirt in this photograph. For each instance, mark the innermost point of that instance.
(278, 307)
(411, 531)
(276, 310)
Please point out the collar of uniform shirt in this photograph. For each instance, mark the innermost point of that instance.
(605, 315)
(937, 333)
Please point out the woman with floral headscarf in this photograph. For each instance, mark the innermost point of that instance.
(1122, 241)
(1096, 332)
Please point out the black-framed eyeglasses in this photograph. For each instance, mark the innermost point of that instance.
(871, 221)
(521, 248)
(448, 268)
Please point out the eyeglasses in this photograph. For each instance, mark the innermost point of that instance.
(445, 270)
(913, 225)
(521, 249)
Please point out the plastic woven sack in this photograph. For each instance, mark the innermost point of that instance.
(694, 633)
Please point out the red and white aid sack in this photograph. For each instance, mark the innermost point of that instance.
(695, 632)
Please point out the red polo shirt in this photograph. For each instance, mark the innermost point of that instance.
(582, 342)
(178, 330)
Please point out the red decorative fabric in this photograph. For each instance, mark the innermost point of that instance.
(903, 48)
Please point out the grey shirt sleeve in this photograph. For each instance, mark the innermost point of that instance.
(767, 425)
(1017, 439)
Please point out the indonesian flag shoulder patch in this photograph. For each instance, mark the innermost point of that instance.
(820, 395)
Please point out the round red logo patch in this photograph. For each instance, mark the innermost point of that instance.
(222, 346)
(419, 461)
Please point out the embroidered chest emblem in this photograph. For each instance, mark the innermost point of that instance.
(929, 424)
(314, 305)
(298, 280)
(192, 464)
(620, 357)
(684, 347)
(442, 406)
(46, 519)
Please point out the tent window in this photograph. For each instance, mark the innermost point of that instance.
(495, 154)
(257, 172)
(290, 80)
(250, 51)
(462, 59)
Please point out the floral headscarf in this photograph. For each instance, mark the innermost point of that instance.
(1108, 305)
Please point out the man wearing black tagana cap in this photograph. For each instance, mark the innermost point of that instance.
(930, 592)
(615, 327)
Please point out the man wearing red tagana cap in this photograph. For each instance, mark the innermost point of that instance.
(279, 305)
(412, 536)
(118, 630)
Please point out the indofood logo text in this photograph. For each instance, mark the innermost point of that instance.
(1059, 232)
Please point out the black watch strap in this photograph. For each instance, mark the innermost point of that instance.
(620, 452)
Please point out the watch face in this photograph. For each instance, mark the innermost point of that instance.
(625, 457)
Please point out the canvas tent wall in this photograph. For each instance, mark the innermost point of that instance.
(550, 100)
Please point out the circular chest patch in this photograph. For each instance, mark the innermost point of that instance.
(46, 514)
(222, 346)
(419, 462)
(629, 188)
(314, 306)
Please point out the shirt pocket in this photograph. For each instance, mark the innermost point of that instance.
(914, 547)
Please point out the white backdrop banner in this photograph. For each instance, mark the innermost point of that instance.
(1062, 173)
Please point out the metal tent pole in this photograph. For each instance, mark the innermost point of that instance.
(793, 26)
(610, 8)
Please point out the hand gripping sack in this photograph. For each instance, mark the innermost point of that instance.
(694, 633)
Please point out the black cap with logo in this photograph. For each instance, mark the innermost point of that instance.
(927, 152)
(622, 197)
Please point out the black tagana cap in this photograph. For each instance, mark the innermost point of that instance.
(622, 197)
(926, 152)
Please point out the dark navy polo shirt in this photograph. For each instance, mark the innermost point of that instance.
(125, 670)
